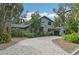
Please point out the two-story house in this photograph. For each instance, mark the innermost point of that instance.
(46, 26)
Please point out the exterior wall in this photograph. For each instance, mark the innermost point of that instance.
(28, 29)
(44, 24)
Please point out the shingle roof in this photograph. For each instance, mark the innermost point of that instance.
(19, 25)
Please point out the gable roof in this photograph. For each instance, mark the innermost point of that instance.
(25, 26)
(47, 18)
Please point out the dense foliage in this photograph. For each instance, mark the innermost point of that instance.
(5, 37)
(68, 17)
(8, 12)
(74, 37)
(30, 35)
(21, 33)
(35, 22)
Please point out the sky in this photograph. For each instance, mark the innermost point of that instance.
(45, 9)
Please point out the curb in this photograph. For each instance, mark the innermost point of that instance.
(75, 52)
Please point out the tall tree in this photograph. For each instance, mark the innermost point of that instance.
(8, 12)
(74, 19)
(61, 12)
(35, 22)
(70, 17)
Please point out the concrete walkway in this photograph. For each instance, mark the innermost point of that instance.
(35, 46)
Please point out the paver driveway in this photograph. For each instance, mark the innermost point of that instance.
(34, 46)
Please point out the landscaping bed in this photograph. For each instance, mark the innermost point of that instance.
(12, 42)
(65, 45)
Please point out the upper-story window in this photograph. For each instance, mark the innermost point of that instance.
(49, 23)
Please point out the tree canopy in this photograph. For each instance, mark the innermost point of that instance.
(35, 22)
(68, 16)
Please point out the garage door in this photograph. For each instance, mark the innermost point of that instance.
(56, 32)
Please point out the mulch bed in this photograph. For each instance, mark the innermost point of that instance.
(12, 42)
(65, 45)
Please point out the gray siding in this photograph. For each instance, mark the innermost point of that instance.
(44, 24)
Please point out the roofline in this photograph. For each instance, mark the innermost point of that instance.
(47, 18)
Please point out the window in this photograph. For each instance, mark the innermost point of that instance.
(49, 29)
(49, 23)
(41, 29)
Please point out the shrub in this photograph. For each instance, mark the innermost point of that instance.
(45, 34)
(21, 33)
(72, 38)
(30, 35)
(49, 33)
(5, 37)
(17, 33)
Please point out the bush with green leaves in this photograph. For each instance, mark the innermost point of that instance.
(49, 33)
(5, 37)
(17, 33)
(45, 34)
(74, 37)
(21, 33)
(30, 35)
